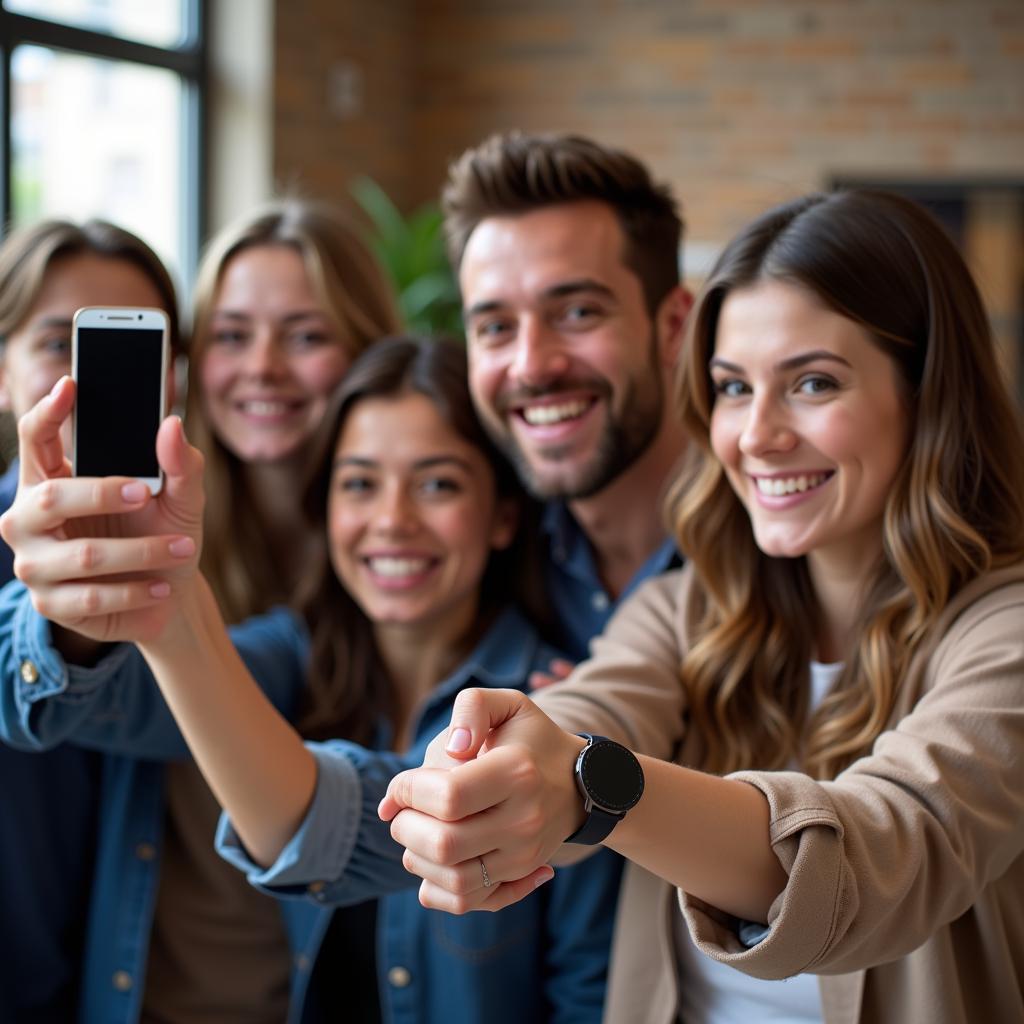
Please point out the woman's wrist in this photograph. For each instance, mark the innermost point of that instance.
(192, 609)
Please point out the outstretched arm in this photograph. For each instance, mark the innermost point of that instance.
(75, 543)
(255, 762)
(517, 802)
(105, 561)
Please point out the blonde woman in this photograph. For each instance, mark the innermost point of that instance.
(825, 705)
(286, 298)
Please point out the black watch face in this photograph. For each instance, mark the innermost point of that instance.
(613, 776)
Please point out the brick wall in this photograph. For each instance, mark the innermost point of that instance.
(344, 84)
(739, 103)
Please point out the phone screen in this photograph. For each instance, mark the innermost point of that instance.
(120, 377)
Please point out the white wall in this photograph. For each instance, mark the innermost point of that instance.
(241, 107)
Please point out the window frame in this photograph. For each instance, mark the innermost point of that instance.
(188, 60)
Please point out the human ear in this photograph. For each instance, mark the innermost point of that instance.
(670, 324)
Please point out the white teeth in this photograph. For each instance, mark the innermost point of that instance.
(397, 566)
(262, 408)
(543, 415)
(777, 486)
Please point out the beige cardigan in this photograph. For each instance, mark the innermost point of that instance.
(906, 873)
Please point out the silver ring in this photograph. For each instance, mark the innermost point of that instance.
(483, 871)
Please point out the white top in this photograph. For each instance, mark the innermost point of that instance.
(711, 993)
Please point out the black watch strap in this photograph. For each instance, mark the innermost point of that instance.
(596, 828)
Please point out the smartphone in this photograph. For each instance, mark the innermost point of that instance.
(119, 362)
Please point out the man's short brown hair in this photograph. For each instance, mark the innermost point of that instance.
(514, 173)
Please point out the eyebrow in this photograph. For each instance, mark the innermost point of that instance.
(793, 363)
(51, 321)
(234, 314)
(427, 463)
(556, 291)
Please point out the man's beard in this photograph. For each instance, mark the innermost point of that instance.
(626, 436)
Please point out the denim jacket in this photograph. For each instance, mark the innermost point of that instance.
(115, 707)
(544, 959)
(46, 861)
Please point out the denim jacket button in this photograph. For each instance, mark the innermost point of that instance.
(399, 977)
(122, 981)
(29, 672)
(316, 889)
(145, 851)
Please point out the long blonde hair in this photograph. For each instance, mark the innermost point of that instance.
(955, 510)
(237, 558)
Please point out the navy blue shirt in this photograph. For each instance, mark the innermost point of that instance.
(47, 849)
(581, 603)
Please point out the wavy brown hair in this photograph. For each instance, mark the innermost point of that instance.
(241, 566)
(955, 509)
(348, 689)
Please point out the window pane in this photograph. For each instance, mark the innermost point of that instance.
(157, 22)
(98, 138)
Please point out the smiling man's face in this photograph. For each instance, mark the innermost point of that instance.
(563, 354)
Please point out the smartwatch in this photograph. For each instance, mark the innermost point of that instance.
(611, 781)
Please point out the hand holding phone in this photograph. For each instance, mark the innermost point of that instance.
(102, 556)
(119, 363)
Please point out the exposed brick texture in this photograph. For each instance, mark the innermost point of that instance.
(738, 103)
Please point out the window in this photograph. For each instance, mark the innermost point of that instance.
(102, 115)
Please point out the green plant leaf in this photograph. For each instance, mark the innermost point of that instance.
(386, 217)
(427, 291)
(390, 238)
(412, 251)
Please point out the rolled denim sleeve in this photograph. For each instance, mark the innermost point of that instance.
(342, 853)
(115, 705)
(43, 700)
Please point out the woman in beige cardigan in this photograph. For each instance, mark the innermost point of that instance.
(840, 667)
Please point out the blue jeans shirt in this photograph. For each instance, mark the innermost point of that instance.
(543, 960)
(115, 707)
(47, 845)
